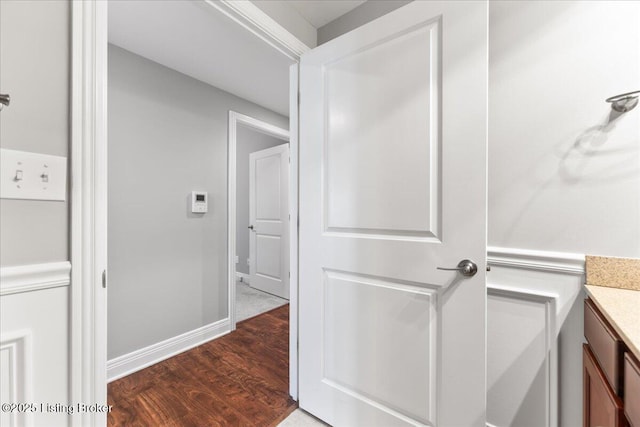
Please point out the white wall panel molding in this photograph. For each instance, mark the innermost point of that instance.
(559, 262)
(16, 375)
(514, 383)
(541, 275)
(262, 25)
(129, 363)
(33, 277)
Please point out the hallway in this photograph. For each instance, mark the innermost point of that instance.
(240, 379)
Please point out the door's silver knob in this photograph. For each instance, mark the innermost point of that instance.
(465, 267)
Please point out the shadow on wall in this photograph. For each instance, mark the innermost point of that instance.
(575, 163)
(590, 144)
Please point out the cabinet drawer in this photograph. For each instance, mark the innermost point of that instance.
(632, 390)
(605, 344)
(602, 408)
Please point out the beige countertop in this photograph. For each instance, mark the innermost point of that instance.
(621, 307)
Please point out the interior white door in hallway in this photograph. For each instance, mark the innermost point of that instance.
(393, 141)
(269, 219)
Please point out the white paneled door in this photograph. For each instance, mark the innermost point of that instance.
(269, 219)
(393, 141)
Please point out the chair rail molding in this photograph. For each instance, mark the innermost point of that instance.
(33, 277)
(262, 25)
(558, 262)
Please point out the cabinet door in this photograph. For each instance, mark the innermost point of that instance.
(632, 390)
(602, 408)
(605, 345)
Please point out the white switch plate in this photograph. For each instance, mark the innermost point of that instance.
(43, 177)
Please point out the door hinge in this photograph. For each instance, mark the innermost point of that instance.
(104, 278)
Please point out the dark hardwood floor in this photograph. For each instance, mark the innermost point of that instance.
(241, 379)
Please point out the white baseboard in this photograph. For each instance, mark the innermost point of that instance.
(129, 363)
(245, 277)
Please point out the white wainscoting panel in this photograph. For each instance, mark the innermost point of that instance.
(16, 365)
(34, 321)
(534, 336)
(132, 362)
(522, 374)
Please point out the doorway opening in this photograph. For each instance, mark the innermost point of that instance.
(258, 217)
(148, 38)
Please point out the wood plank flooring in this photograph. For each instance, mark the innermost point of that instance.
(241, 379)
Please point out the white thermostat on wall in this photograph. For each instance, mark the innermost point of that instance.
(199, 201)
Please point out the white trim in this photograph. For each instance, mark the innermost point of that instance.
(550, 302)
(235, 120)
(262, 25)
(293, 231)
(88, 315)
(132, 362)
(33, 277)
(556, 262)
(245, 277)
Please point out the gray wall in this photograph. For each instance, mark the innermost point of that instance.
(167, 137)
(34, 70)
(564, 171)
(248, 141)
(362, 14)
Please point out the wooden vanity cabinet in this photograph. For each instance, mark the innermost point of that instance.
(601, 406)
(611, 388)
(605, 344)
(632, 390)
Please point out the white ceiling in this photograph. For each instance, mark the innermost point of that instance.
(320, 12)
(197, 40)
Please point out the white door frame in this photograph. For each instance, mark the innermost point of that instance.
(88, 315)
(236, 120)
(88, 165)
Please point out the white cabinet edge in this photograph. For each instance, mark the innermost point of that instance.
(558, 262)
(33, 277)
